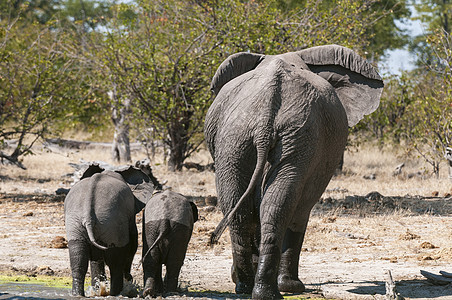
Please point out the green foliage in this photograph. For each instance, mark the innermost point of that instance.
(160, 55)
(163, 54)
(416, 107)
(40, 84)
(30, 11)
(429, 126)
(437, 14)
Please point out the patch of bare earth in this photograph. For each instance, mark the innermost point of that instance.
(350, 242)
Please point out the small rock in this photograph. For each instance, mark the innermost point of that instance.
(211, 200)
(45, 270)
(28, 214)
(58, 242)
(408, 236)
(427, 245)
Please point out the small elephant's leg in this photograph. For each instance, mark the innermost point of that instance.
(97, 266)
(79, 258)
(152, 272)
(153, 283)
(132, 249)
(180, 238)
(114, 258)
(288, 280)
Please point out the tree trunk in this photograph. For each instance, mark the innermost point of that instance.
(120, 117)
(178, 141)
(449, 159)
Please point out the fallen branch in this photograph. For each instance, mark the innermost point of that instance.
(391, 289)
(438, 279)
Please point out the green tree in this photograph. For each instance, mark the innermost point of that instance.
(40, 11)
(429, 122)
(382, 32)
(162, 54)
(39, 84)
(434, 15)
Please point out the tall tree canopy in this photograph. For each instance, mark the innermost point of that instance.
(162, 54)
(158, 56)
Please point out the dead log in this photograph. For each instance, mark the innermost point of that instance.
(398, 169)
(437, 279)
(446, 274)
(391, 289)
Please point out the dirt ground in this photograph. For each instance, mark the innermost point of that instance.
(350, 243)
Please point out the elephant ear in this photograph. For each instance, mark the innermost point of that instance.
(140, 184)
(356, 82)
(92, 169)
(194, 209)
(234, 66)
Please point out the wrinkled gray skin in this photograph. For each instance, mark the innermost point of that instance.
(276, 131)
(167, 227)
(100, 224)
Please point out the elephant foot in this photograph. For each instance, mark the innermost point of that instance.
(128, 277)
(151, 288)
(149, 292)
(265, 292)
(243, 288)
(287, 284)
(78, 288)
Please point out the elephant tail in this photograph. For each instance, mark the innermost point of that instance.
(90, 214)
(89, 229)
(262, 153)
(157, 240)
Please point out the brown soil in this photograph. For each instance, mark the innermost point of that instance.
(349, 245)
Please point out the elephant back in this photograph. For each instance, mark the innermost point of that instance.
(114, 207)
(169, 206)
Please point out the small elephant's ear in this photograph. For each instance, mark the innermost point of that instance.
(91, 170)
(195, 211)
(140, 184)
(356, 82)
(234, 66)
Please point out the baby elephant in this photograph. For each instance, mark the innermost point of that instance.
(167, 227)
(100, 224)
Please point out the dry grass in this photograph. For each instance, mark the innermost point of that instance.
(48, 169)
(343, 244)
(415, 179)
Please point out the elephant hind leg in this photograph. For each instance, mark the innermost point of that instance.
(152, 271)
(131, 250)
(79, 258)
(180, 238)
(114, 259)
(97, 265)
(288, 280)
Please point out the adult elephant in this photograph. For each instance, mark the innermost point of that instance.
(100, 224)
(277, 130)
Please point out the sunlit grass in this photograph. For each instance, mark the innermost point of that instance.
(50, 281)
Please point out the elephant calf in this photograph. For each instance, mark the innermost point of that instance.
(167, 227)
(100, 224)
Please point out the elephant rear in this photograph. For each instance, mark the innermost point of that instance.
(101, 204)
(167, 229)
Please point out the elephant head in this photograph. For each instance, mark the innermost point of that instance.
(140, 184)
(356, 82)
